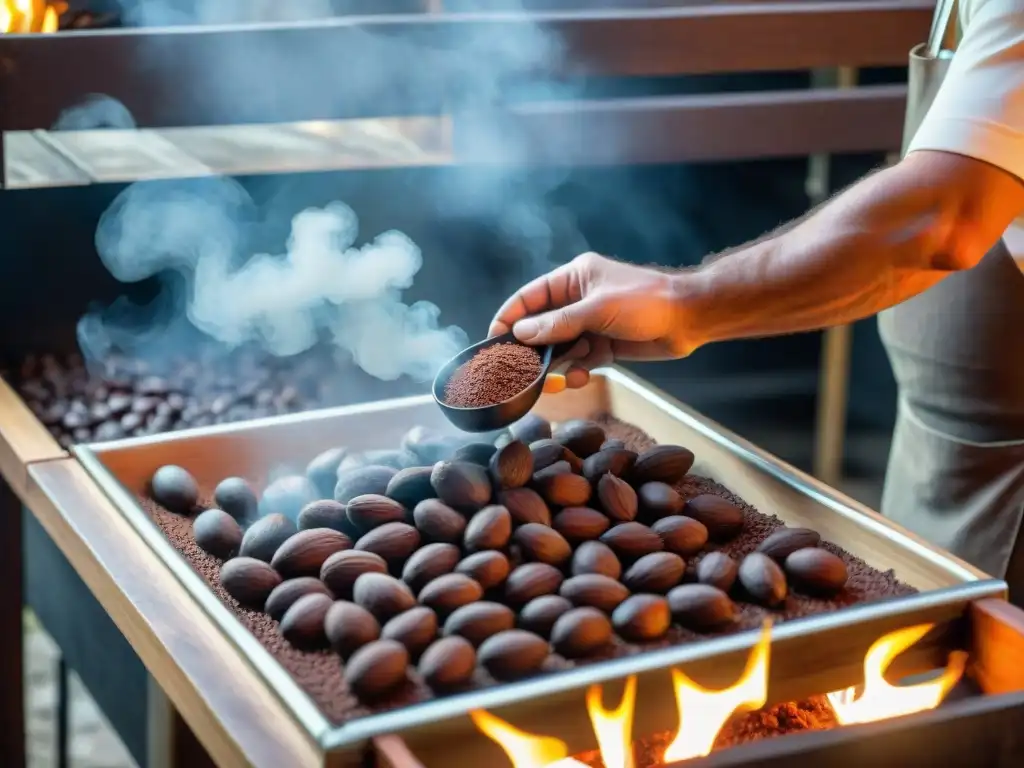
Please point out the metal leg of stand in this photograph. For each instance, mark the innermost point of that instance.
(834, 369)
(63, 714)
(12, 633)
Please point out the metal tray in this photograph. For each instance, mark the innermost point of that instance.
(809, 655)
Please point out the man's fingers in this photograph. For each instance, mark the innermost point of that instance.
(640, 351)
(598, 355)
(578, 351)
(558, 325)
(554, 383)
(551, 291)
(577, 378)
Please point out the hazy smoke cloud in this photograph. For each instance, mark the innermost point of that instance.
(321, 284)
(95, 111)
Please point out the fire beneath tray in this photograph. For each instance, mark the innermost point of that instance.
(30, 16)
(25, 17)
(709, 718)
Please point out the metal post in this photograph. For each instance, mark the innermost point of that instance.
(160, 723)
(12, 633)
(63, 714)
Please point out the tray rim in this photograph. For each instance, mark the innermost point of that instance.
(308, 715)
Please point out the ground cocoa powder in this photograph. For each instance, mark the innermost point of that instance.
(320, 673)
(493, 375)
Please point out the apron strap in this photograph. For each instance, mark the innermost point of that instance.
(943, 30)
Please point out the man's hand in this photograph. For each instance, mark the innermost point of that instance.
(617, 311)
(884, 240)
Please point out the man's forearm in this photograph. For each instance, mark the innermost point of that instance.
(886, 239)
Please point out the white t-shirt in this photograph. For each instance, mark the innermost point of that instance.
(979, 110)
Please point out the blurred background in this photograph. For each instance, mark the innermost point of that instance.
(95, 227)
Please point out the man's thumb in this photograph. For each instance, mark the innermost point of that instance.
(556, 326)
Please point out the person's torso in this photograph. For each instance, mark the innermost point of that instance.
(1014, 236)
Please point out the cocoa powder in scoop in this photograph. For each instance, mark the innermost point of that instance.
(493, 375)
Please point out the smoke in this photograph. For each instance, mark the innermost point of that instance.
(95, 111)
(324, 281)
(193, 234)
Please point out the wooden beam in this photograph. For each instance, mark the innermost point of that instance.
(680, 129)
(997, 646)
(608, 132)
(378, 66)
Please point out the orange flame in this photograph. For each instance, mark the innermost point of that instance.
(614, 727)
(30, 16)
(524, 749)
(879, 700)
(703, 713)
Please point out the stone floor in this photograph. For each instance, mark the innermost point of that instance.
(93, 743)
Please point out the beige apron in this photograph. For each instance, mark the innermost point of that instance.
(956, 467)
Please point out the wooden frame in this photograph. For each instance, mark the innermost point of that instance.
(435, 55)
(41, 75)
(679, 129)
(809, 655)
(23, 440)
(239, 722)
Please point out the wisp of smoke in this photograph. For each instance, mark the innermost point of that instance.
(95, 111)
(323, 283)
(488, 66)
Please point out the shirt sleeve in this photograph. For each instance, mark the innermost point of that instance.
(979, 109)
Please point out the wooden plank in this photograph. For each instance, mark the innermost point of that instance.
(413, 64)
(675, 129)
(23, 440)
(30, 163)
(316, 146)
(997, 646)
(587, 133)
(392, 752)
(112, 156)
(235, 717)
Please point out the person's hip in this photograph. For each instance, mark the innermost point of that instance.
(956, 466)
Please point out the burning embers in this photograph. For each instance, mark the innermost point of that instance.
(703, 713)
(30, 16)
(878, 699)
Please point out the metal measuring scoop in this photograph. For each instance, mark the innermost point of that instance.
(499, 415)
